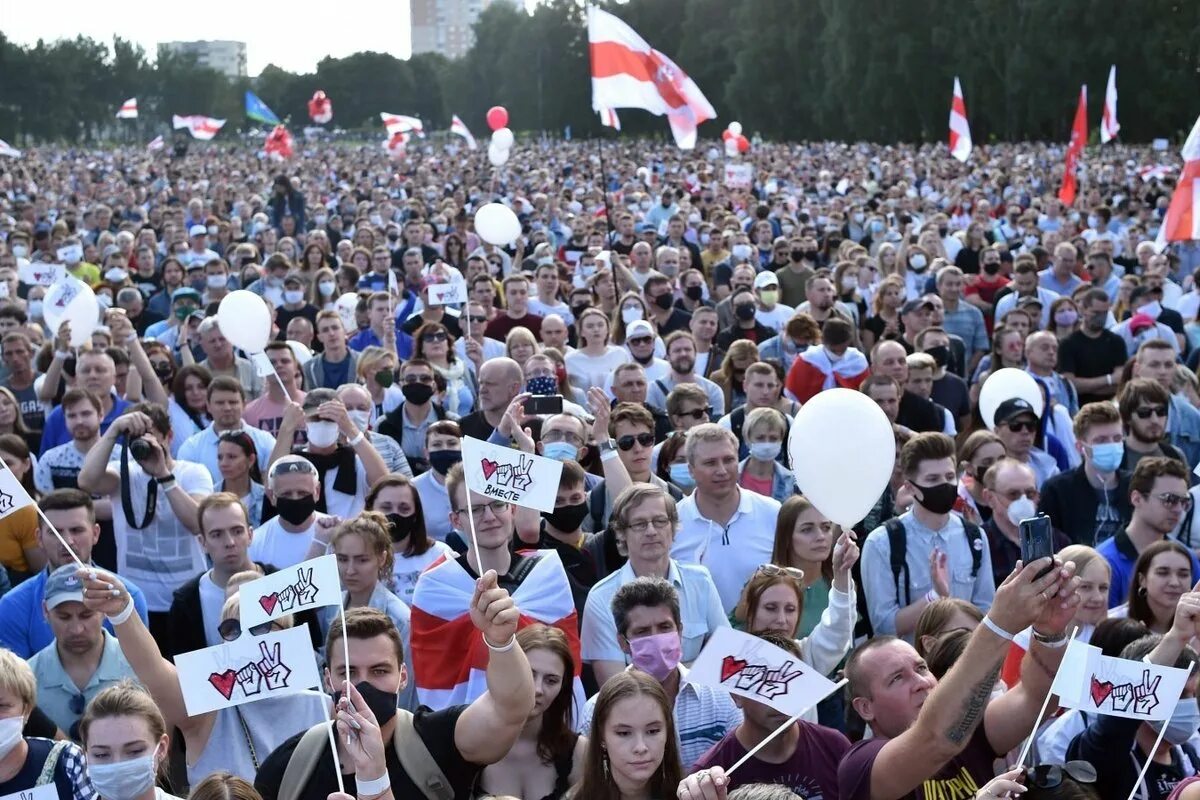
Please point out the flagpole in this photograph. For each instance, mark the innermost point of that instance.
(604, 182)
(337, 763)
(1150, 755)
(780, 730)
(1038, 719)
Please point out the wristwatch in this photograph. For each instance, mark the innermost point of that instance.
(607, 446)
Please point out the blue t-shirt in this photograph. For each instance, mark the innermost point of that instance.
(56, 432)
(1121, 556)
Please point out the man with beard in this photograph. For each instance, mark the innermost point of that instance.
(1144, 406)
(681, 355)
(1155, 360)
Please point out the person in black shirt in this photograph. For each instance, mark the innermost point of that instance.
(1092, 357)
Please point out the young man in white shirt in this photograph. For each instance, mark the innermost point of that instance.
(226, 404)
(443, 449)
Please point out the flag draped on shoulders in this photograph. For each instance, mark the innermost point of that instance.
(449, 656)
(814, 371)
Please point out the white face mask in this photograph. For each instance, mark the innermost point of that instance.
(1152, 310)
(218, 281)
(292, 296)
(10, 733)
(1019, 509)
(631, 314)
(116, 275)
(322, 433)
(327, 288)
(361, 419)
(123, 780)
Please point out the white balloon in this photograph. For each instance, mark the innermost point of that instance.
(503, 138)
(735, 128)
(245, 320)
(496, 156)
(497, 224)
(1005, 384)
(347, 308)
(842, 450)
(72, 301)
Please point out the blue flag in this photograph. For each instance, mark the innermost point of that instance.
(257, 110)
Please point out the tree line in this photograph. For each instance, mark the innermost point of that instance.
(857, 70)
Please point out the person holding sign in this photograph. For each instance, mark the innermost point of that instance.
(930, 735)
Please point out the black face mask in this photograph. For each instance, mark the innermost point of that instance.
(566, 518)
(381, 703)
(400, 527)
(443, 460)
(745, 312)
(799, 255)
(991, 267)
(295, 510)
(940, 354)
(385, 378)
(942, 231)
(695, 293)
(417, 393)
(664, 301)
(577, 311)
(939, 498)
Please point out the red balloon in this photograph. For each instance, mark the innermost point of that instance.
(497, 117)
(743, 144)
(726, 135)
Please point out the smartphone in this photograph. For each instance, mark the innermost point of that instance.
(1037, 540)
(544, 404)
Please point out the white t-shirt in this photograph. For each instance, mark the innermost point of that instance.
(585, 370)
(543, 310)
(279, 548)
(435, 506)
(408, 569)
(164, 555)
(776, 318)
(212, 600)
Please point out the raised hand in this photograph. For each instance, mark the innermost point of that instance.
(358, 726)
(103, 591)
(601, 411)
(1022, 597)
(493, 611)
(939, 571)
(845, 553)
(707, 784)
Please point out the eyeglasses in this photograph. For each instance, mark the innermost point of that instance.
(549, 437)
(77, 704)
(1049, 776)
(436, 336)
(1018, 427)
(696, 413)
(641, 340)
(775, 571)
(627, 442)
(1171, 500)
(231, 629)
(418, 379)
(478, 320)
(643, 525)
(1146, 412)
(498, 507)
(1032, 494)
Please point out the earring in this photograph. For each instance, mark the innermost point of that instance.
(1142, 591)
(604, 761)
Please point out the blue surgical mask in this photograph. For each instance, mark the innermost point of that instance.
(1107, 456)
(681, 476)
(560, 451)
(123, 780)
(1182, 725)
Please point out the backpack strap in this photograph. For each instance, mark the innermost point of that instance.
(975, 540)
(303, 762)
(898, 544)
(662, 387)
(417, 761)
(47, 774)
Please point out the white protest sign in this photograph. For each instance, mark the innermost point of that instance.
(36, 274)
(1098, 684)
(309, 584)
(739, 176)
(444, 294)
(248, 669)
(757, 670)
(71, 253)
(13, 496)
(510, 475)
(1159, 144)
(262, 364)
(47, 791)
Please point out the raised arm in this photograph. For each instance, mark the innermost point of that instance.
(62, 350)
(95, 476)
(373, 464)
(293, 418)
(123, 331)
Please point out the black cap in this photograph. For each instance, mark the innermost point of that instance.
(913, 305)
(1012, 408)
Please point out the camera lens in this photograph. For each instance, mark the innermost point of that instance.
(140, 449)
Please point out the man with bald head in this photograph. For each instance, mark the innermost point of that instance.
(916, 413)
(641, 263)
(554, 333)
(1041, 356)
(1060, 276)
(1011, 492)
(500, 380)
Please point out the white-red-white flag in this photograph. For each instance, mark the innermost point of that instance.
(128, 109)
(157, 143)
(398, 123)
(1182, 222)
(609, 118)
(203, 128)
(459, 128)
(628, 73)
(7, 149)
(1108, 118)
(960, 131)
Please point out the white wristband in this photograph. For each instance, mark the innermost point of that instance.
(354, 442)
(504, 648)
(123, 615)
(609, 455)
(932, 595)
(996, 629)
(373, 788)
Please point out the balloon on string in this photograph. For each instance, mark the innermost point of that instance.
(496, 156)
(735, 128)
(347, 308)
(71, 301)
(502, 138)
(1005, 384)
(245, 321)
(842, 451)
(497, 117)
(496, 224)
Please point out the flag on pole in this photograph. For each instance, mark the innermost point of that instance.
(201, 127)
(279, 143)
(157, 143)
(320, 108)
(13, 496)
(609, 118)
(257, 110)
(459, 128)
(1182, 222)
(1099, 684)
(960, 131)
(7, 149)
(628, 73)
(398, 123)
(1066, 194)
(128, 109)
(1108, 118)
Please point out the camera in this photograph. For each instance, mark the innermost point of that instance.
(141, 450)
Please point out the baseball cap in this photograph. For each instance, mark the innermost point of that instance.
(316, 398)
(1012, 408)
(185, 291)
(638, 328)
(62, 586)
(1139, 323)
(913, 305)
(1032, 300)
(1138, 293)
(764, 279)
(198, 230)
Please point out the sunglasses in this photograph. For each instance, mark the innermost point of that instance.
(231, 629)
(640, 340)
(1147, 412)
(439, 336)
(480, 320)
(775, 571)
(1050, 776)
(697, 413)
(644, 439)
(1018, 427)
(1175, 500)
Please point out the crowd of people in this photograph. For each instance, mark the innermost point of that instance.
(675, 322)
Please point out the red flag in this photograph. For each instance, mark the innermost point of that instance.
(1075, 149)
(1182, 222)
(279, 143)
(320, 108)
(960, 131)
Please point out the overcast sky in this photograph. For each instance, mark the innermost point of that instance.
(294, 36)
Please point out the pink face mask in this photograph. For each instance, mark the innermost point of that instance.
(656, 654)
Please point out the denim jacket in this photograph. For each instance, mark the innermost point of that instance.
(783, 485)
(1183, 426)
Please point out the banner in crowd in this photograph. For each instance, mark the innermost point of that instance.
(35, 273)
(1098, 684)
(447, 294)
(506, 474)
(13, 496)
(247, 669)
(309, 584)
(739, 176)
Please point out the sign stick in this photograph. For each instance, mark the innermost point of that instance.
(1038, 720)
(474, 541)
(53, 529)
(776, 732)
(345, 638)
(1150, 756)
(333, 746)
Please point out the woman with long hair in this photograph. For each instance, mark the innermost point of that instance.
(1094, 574)
(188, 404)
(433, 342)
(377, 372)
(322, 292)
(1064, 318)
(413, 551)
(548, 756)
(313, 260)
(594, 360)
(976, 455)
(732, 372)
(224, 786)
(20, 552)
(943, 616)
(454, 251)
(884, 321)
(845, 283)
(237, 460)
(125, 740)
(1008, 351)
(631, 753)
(631, 308)
(11, 421)
(1162, 574)
(604, 288)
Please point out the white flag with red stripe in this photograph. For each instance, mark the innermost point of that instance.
(398, 123)
(459, 128)
(628, 73)
(7, 149)
(1182, 222)
(157, 143)
(960, 130)
(1108, 118)
(449, 656)
(203, 128)
(128, 109)
(609, 118)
